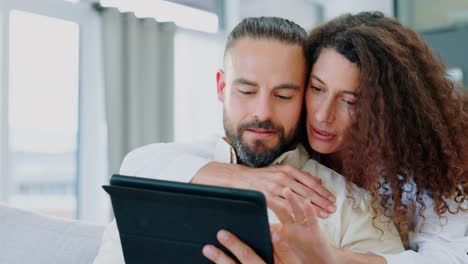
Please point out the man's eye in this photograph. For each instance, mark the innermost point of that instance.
(284, 97)
(245, 92)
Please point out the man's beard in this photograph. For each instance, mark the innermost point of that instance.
(257, 154)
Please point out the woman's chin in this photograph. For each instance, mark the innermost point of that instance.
(322, 148)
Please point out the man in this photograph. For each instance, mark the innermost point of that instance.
(262, 90)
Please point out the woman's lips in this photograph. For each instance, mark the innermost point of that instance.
(260, 133)
(322, 134)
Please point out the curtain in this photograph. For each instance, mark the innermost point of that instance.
(139, 82)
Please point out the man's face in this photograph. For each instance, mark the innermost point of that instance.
(262, 90)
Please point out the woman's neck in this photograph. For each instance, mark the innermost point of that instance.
(334, 161)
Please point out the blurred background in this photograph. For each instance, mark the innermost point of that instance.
(83, 82)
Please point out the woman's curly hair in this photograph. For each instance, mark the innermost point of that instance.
(411, 121)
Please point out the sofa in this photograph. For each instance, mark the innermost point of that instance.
(27, 237)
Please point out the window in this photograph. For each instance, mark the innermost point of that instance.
(427, 15)
(52, 124)
(43, 112)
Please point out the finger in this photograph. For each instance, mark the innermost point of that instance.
(275, 198)
(281, 209)
(242, 251)
(275, 228)
(295, 205)
(216, 255)
(312, 221)
(297, 187)
(288, 176)
(283, 253)
(321, 203)
(319, 211)
(312, 182)
(274, 187)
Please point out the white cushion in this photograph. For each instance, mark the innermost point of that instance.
(27, 237)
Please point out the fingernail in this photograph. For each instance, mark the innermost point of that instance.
(223, 236)
(209, 251)
(322, 214)
(274, 236)
(332, 199)
(331, 208)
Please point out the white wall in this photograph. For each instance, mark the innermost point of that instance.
(334, 8)
(197, 111)
(302, 12)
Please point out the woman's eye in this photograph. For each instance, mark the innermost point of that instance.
(316, 88)
(349, 102)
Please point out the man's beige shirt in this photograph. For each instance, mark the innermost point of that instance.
(348, 227)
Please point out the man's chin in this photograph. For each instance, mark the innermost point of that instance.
(259, 147)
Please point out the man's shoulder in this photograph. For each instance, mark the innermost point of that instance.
(334, 181)
(327, 175)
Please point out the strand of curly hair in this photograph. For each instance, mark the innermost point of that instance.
(410, 134)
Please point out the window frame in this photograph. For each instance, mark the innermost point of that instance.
(92, 203)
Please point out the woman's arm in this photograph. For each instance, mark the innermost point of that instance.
(440, 240)
(169, 161)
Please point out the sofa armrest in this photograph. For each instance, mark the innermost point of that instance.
(27, 237)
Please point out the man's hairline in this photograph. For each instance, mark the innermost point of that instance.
(269, 38)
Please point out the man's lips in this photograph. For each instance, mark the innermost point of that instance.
(260, 133)
(321, 134)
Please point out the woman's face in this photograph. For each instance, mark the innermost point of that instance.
(330, 101)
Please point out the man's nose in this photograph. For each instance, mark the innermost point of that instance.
(263, 108)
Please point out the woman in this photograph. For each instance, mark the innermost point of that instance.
(376, 91)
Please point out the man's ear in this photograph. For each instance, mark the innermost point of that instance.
(220, 85)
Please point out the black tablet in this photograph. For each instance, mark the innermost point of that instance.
(169, 222)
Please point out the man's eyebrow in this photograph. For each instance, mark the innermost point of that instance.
(245, 82)
(291, 86)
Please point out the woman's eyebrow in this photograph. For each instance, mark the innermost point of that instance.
(318, 79)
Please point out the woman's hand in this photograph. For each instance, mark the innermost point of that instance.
(270, 181)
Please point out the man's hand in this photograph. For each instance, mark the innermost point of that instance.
(242, 251)
(270, 181)
(297, 240)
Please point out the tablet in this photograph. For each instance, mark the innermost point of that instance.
(169, 222)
